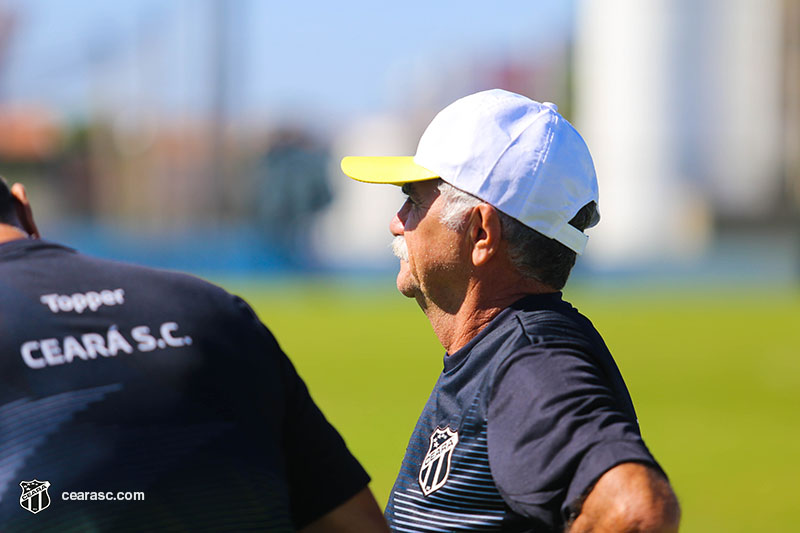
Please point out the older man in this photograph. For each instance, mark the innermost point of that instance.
(530, 426)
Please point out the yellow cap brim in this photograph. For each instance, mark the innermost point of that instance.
(395, 170)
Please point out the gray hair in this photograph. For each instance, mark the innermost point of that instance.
(532, 254)
(457, 204)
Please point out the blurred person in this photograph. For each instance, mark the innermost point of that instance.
(292, 188)
(530, 426)
(119, 379)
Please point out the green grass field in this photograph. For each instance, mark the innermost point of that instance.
(714, 375)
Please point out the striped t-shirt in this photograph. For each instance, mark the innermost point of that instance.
(521, 422)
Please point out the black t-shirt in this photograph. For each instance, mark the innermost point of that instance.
(522, 421)
(117, 379)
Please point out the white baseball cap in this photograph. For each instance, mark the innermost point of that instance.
(516, 154)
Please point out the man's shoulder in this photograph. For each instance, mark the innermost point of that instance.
(172, 278)
(530, 326)
(52, 270)
(540, 326)
(198, 295)
(552, 317)
(526, 322)
(168, 283)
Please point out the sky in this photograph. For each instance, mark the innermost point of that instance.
(334, 59)
(346, 62)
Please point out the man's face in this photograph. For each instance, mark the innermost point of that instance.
(437, 259)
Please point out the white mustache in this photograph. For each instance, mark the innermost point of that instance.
(399, 248)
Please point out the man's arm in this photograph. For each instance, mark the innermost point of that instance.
(359, 513)
(631, 497)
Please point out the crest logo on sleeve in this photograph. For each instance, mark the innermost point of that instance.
(34, 496)
(436, 466)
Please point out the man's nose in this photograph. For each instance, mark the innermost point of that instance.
(397, 225)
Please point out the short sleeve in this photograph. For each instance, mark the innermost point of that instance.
(556, 423)
(322, 473)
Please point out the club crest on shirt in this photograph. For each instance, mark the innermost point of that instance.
(436, 466)
(34, 497)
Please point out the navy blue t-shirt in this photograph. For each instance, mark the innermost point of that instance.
(522, 422)
(117, 379)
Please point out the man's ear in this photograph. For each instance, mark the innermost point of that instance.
(23, 208)
(484, 233)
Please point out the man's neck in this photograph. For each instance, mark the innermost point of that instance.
(11, 233)
(480, 306)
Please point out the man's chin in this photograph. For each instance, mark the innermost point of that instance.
(405, 284)
(408, 293)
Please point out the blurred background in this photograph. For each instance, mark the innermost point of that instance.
(205, 135)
